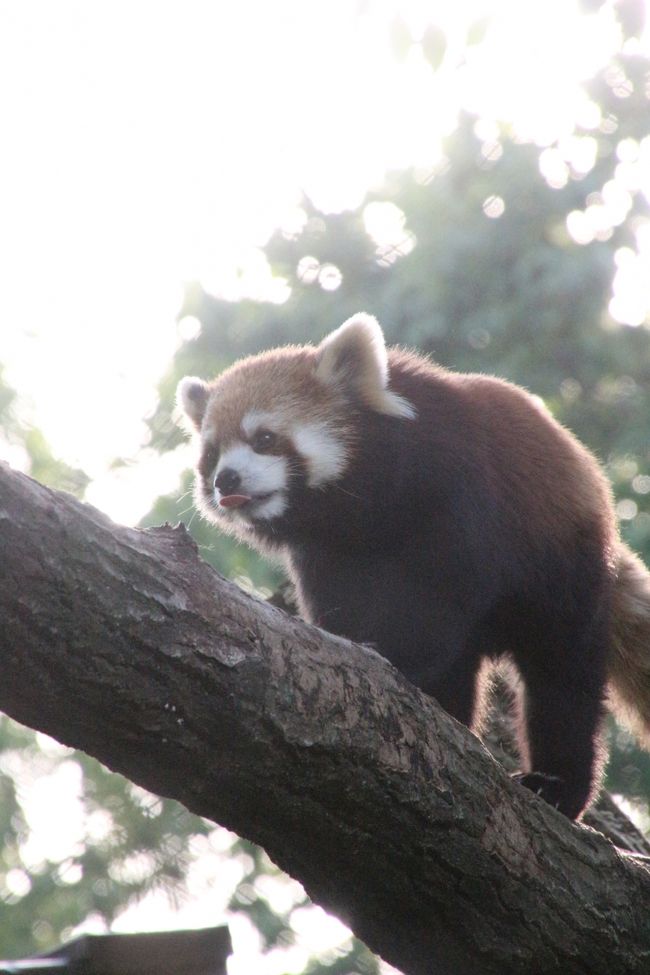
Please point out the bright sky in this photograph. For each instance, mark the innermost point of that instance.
(149, 142)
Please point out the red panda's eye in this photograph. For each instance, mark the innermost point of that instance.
(263, 440)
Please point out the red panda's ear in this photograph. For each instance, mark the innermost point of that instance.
(191, 400)
(354, 359)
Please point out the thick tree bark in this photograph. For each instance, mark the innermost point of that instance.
(125, 644)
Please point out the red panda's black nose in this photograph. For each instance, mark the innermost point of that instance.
(227, 481)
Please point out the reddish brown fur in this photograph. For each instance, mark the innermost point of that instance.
(470, 527)
(562, 480)
(280, 380)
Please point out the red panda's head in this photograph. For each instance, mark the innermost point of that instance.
(285, 419)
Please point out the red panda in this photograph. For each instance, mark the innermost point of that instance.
(446, 519)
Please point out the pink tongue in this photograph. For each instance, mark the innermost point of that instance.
(234, 500)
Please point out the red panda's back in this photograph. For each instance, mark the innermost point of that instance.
(541, 478)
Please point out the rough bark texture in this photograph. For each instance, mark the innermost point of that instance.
(123, 643)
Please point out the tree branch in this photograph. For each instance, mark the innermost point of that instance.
(393, 816)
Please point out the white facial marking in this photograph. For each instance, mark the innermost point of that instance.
(318, 444)
(259, 473)
(325, 454)
(256, 419)
(272, 507)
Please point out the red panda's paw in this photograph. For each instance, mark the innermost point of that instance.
(554, 790)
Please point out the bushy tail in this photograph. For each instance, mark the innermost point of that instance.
(629, 665)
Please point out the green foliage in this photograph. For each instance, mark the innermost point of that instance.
(50, 470)
(253, 898)
(127, 842)
(628, 770)
(31, 443)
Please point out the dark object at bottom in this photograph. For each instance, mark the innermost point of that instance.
(202, 952)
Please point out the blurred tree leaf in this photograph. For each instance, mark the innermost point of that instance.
(477, 31)
(632, 16)
(42, 463)
(591, 6)
(434, 45)
(130, 843)
(401, 39)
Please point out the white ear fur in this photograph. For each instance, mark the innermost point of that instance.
(191, 399)
(355, 357)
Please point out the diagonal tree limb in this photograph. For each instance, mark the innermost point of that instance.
(125, 644)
